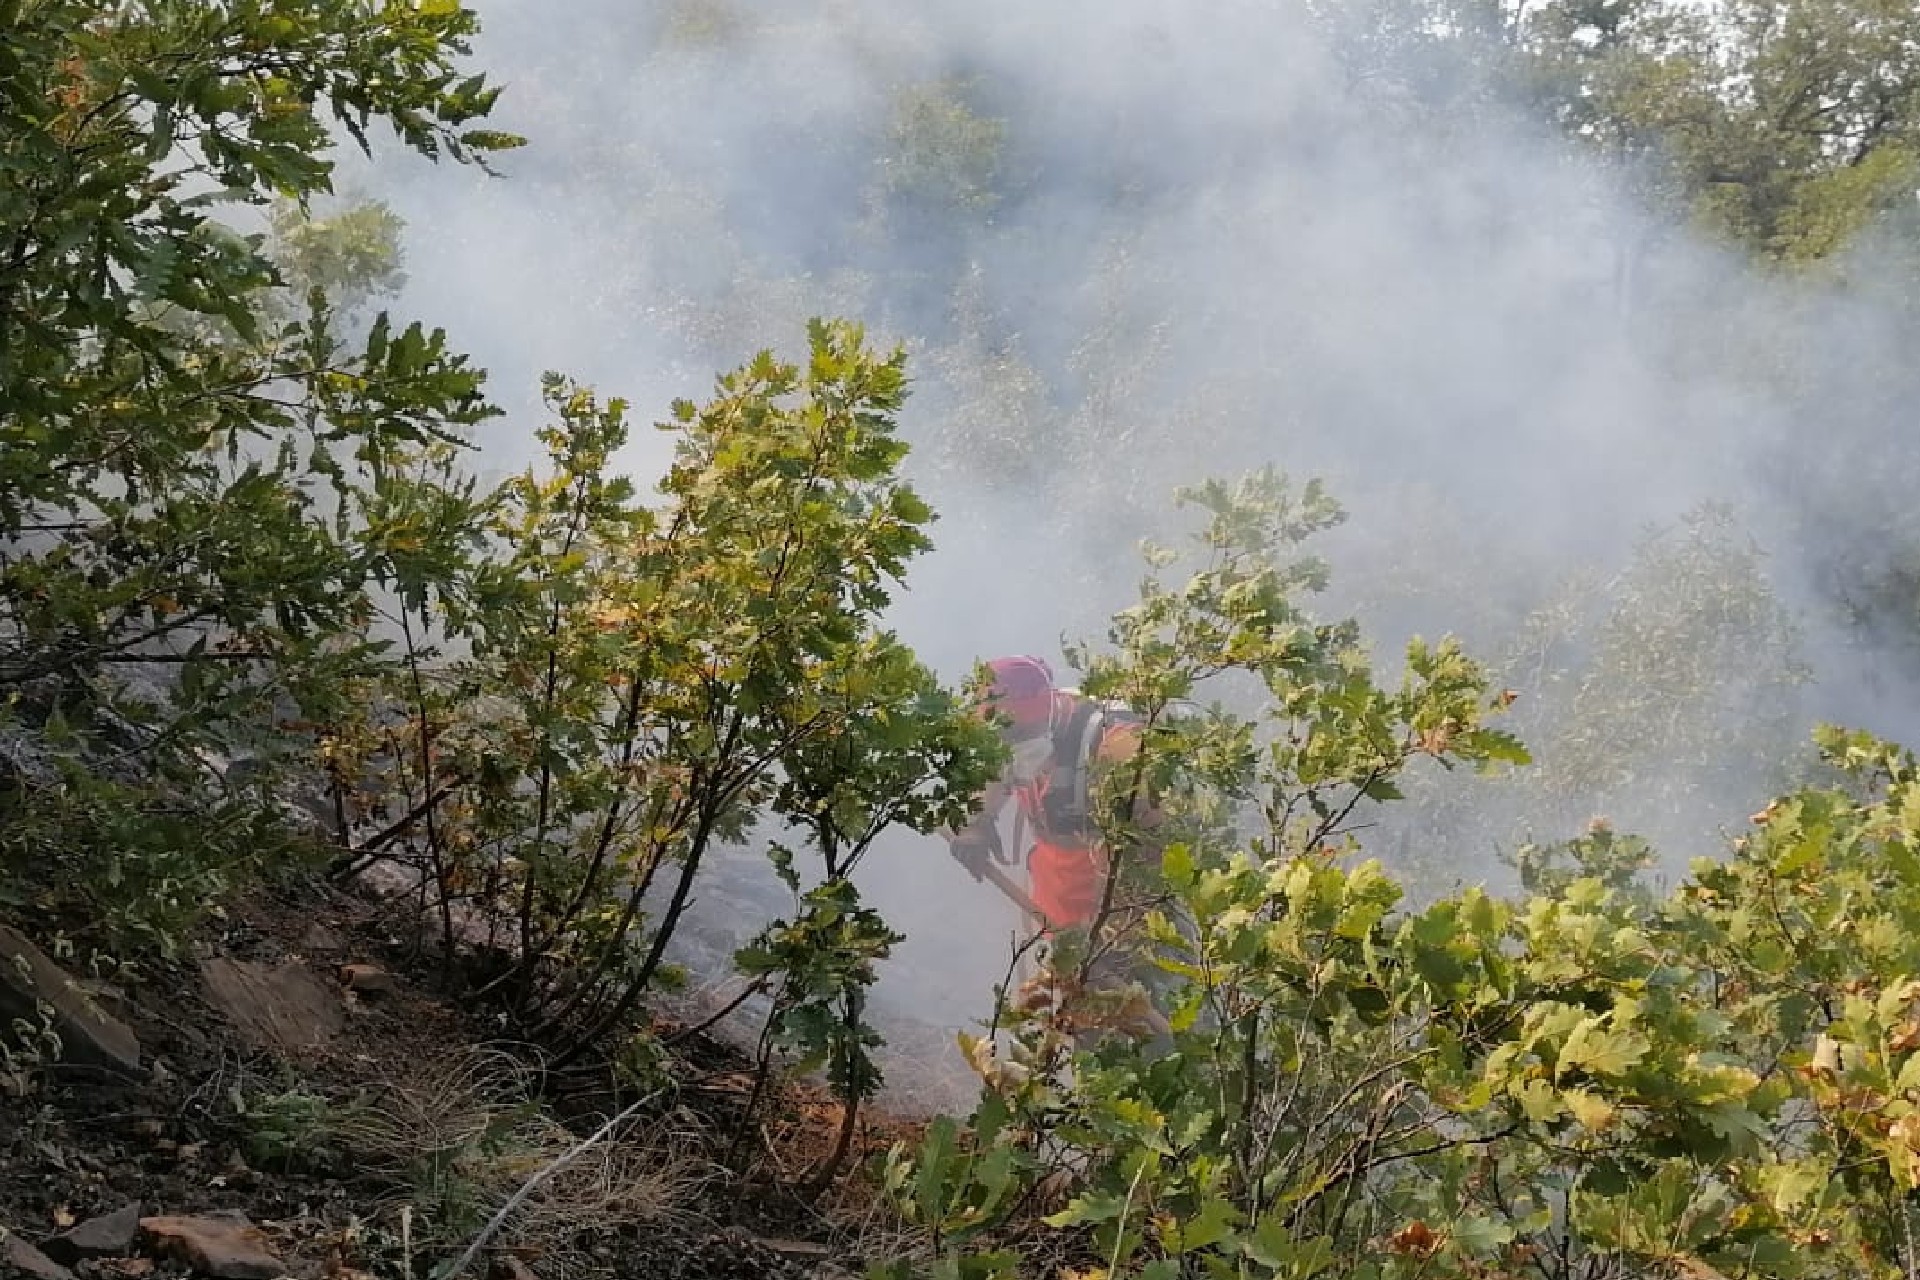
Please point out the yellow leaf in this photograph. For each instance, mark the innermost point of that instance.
(1590, 1109)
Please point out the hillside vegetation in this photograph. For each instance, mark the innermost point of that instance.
(287, 688)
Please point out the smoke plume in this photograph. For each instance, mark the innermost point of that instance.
(1131, 246)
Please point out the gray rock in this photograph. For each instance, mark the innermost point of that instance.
(369, 979)
(110, 1235)
(320, 940)
(277, 1007)
(17, 1257)
(88, 1034)
(25, 762)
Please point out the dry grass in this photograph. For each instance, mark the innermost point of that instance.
(453, 1140)
(638, 1180)
(796, 1131)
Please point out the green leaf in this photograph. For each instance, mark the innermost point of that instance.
(1089, 1208)
(1601, 1050)
(1797, 1182)
(937, 1152)
(1212, 1223)
(1480, 1236)
(1539, 1101)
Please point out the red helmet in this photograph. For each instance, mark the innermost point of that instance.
(1020, 689)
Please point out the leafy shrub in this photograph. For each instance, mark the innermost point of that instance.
(1590, 1081)
(638, 685)
(178, 432)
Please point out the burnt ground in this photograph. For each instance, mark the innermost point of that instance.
(373, 1132)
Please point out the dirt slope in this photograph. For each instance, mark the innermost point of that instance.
(365, 1125)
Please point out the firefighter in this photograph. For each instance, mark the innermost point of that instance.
(1064, 746)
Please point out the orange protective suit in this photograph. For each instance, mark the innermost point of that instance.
(1067, 868)
(1067, 883)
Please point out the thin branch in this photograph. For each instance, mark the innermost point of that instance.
(748, 992)
(527, 1188)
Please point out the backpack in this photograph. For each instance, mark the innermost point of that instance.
(1064, 808)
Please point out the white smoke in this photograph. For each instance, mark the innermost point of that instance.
(1131, 246)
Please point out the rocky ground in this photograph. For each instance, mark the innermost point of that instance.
(294, 1099)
